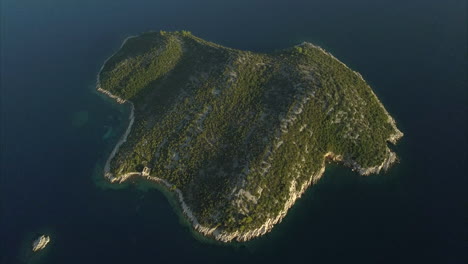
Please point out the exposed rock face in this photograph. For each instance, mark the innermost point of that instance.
(40, 243)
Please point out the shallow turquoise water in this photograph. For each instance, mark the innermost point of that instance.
(413, 53)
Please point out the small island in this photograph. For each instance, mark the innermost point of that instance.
(239, 136)
(40, 243)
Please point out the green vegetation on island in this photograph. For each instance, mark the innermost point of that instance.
(240, 135)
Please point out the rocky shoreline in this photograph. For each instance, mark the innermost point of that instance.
(223, 236)
(243, 236)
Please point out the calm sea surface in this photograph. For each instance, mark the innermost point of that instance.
(55, 130)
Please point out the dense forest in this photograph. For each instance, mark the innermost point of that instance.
(235, 131)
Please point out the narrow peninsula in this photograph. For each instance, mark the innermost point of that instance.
(238, 136)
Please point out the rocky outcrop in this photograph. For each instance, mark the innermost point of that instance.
(118, 99)
(40, 243)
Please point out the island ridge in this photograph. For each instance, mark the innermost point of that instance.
(238, 136)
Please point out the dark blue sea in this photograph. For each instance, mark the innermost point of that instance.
(55, 130)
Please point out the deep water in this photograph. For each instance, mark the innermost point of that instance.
(55, 130)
